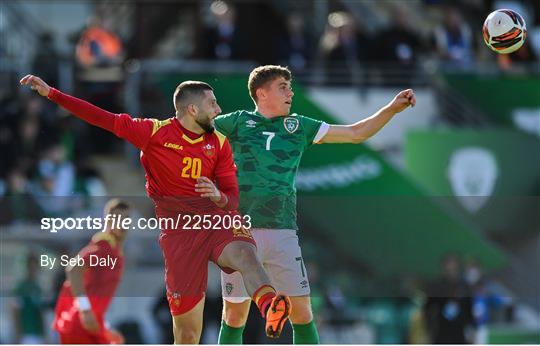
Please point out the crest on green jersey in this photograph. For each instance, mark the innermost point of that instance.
(291, 124)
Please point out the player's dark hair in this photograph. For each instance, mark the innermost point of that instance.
(262, 75)
(115, 206)
(186, 91)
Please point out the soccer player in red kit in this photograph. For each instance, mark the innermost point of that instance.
(185, 162)
(89, 288)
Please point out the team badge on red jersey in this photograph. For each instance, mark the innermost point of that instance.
(175, 298)
(209, 150)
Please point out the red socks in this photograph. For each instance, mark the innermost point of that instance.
(263, 297)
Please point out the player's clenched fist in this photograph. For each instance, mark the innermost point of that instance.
(403, 100)
(37, 84)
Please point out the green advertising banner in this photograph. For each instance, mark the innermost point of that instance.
(361, 206)
(499, 96)
(491, 175)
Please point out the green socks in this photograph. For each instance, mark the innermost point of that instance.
(230, 335)
(305, 333)
(302, 334)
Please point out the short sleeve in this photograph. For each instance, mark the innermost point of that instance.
(137, 131)
(314, 129)
(227, 123)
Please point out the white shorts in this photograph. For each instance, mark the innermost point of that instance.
(279, 251)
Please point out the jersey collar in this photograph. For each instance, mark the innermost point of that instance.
(185, 133)
(266, 118)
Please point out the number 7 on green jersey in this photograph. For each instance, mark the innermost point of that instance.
(269, 139)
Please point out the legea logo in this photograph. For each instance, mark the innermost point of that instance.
(472, 173)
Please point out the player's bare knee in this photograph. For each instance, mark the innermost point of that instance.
(236, 314)
(187, 335)
(301, 317)
(235, 319)
(301, 312)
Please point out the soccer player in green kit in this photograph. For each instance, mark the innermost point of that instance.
(268, 144)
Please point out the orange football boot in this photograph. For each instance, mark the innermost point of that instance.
(277, 315)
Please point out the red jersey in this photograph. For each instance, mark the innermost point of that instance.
(100, 282)
(173, 159)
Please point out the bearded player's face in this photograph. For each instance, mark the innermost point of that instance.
(208, 110)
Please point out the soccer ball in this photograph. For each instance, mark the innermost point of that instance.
(504, 31)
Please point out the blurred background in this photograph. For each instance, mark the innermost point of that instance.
(430, 228)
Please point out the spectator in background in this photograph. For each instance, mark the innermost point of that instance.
(448, 308)
(485, 299)
(9, 109)
(454, 40)
(56, 181)
(24, 130)
(98, 45)
(46, 59)
(89, 181)
(398, 46)
(294, 47)
(511, 62)
(100, 54)
(54, 165)
(27, 309)
(417, 333)
(18, 205)
(22, 150)
(343, 46)
(34, 107)
(223, 40)
(35, 129)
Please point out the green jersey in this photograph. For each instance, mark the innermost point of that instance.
(267, 152)
(30, 304)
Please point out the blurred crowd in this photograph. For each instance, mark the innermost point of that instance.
(46, 153)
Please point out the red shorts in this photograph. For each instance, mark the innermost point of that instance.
(186, 254)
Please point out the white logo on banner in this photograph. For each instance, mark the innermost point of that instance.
(472, 173)
(338, 175)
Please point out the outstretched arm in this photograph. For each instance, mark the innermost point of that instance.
(82, 109)
(364, 129)
(136, 131)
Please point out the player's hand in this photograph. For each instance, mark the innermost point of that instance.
(88, 320)
(207, 189)
(403, 100)
(115, 337)
(37, 84)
